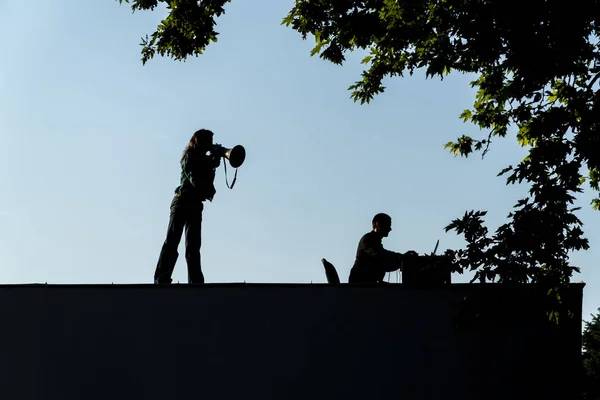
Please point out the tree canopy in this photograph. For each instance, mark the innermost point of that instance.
(537, 66)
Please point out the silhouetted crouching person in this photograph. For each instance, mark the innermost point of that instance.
(372, 260)
(196, 186)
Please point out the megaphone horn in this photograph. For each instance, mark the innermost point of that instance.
(235, 155)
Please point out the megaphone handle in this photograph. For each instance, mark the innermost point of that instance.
(234, 176)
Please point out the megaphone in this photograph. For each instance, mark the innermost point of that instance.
(236, 155)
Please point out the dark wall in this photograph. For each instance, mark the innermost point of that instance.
(283, 342)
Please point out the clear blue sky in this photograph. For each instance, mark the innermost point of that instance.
(90, 142)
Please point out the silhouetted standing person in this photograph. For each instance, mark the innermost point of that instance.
(196, 186)
(372, 260)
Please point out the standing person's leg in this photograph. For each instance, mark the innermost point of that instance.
(168, 254)
(193, 240)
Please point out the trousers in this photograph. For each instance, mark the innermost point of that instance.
(186, 213)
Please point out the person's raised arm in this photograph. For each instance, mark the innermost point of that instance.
(194, 164)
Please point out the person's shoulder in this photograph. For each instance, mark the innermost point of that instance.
(192, 155)
(367, 236)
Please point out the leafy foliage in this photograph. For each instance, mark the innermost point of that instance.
(591, 358)
(188, 29)
(537, 69)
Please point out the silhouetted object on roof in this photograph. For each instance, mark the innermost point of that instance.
(330, 272)
(372, 260)
(427, 270)
(199, 161)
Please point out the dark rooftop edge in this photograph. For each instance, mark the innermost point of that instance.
(258, 285)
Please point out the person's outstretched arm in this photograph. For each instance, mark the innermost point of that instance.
(388, 260)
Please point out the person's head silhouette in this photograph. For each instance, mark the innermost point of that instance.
(382, 224)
